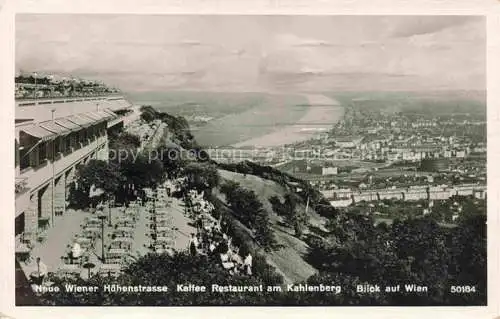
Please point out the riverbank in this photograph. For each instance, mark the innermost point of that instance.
(323, 113)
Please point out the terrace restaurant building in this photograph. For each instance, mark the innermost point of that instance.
(53, 137)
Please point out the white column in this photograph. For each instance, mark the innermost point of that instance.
(60, 195)
(31, 219)
(46, 197)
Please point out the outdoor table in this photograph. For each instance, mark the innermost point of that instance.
(164, 221)
(115, 259)
(110, 269)
(125, 224)
(120, 245)
(83, 240)
(123, 233)
(162, 211)
(90, 233)
(118, 251)
(125, 219)
(69, 269)
(115, 255)
(96, 228)
(165, 234)
(156, 219)
(166, 240)
(159, 246)
(163, 229)
(164, 218)
(126, 240)
(92, 223)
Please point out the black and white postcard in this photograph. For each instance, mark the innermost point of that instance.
(250, 160)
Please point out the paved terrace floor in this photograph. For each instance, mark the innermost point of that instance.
(181, 222)
(58, 237)
(69, 225)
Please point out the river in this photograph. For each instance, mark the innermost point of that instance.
(322, 114)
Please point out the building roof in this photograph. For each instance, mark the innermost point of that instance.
(81, 120)
(350, 138)
(110, 112)
(54, 127)
(106, 115)
(38, 132)
(43, 112)
(93, 116)
(68, 124)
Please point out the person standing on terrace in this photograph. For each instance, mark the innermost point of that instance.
(76, 251)
(248, 264)
(193, 243)
(41, 272)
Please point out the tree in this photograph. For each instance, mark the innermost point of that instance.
(229, 189)
(325, 209)
(468, 259)
(147, 117)
(421, 245)
(245, 205)
(288, 210)
(163, 270)
(172, 159)
(263, 232)
(95, 173)
(277, 205)
(294, 217)
(201, 176)
(148, 113)
(142, 172)
(123, 147)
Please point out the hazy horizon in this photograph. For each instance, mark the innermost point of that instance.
(270, 54)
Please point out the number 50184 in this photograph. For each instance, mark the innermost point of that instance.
(462, 289)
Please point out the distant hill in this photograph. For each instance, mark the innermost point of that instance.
(435, 102)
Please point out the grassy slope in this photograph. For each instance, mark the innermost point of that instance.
(289, 260)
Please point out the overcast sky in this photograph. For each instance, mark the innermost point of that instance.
(258, 53)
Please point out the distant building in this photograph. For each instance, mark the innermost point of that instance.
(329, 171)
(348, 141)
